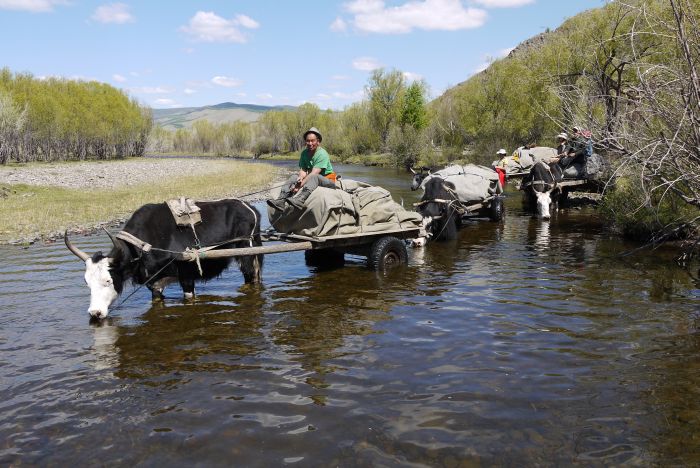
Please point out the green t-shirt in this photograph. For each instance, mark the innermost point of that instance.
(320, 159)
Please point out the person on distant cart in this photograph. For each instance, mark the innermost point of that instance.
(562, 143)
(501, 166)
(315, 170)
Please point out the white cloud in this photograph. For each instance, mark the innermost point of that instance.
(410, 76)
(264, 96)
(226, 81)
(117, 13)
(71, 77)
(206, 26)
(340, 77)
(366, 63)
(445, 15)
(34, 6)
(151, 90)
(349, 96)
(118, 78)
(481, 67)
(189, 91)
(188, 50)
(489, 59)
(164, 102)
(247, 22)
(505, 52)
(338, 25)
(503, 3)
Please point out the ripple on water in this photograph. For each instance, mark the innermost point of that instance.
(519, 343)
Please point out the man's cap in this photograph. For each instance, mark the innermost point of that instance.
(315, 131)
(575, 129)
(562, 136)
(501, 151)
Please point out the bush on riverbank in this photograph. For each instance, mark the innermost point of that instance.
(56, 119)
(628, 208)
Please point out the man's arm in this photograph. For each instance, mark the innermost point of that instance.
(315, 170)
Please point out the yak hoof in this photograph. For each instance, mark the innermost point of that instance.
(189, 295)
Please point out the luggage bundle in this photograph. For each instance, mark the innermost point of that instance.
(353, 207)
(472, 183)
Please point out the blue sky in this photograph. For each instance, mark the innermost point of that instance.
(195, 53)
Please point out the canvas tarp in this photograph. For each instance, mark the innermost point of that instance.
(528, 157)
(472, 183)
(353, 207)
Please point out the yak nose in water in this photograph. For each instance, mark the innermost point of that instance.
(98, 314)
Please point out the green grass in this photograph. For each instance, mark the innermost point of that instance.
(28, 212)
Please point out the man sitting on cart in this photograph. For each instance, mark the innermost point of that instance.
(315, 170)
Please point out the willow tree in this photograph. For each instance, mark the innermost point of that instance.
(12, 121)
(657, 139)
(385, 90)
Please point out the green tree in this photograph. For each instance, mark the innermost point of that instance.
(385, 91)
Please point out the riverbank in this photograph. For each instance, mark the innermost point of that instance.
(41, 201)
(371, 160)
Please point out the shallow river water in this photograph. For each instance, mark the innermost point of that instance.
(521, 343)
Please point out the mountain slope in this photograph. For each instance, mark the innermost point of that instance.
(184, 117)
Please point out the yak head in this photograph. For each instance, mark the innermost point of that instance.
(103, 275)
(544, 178)
(418, 177)
(544, 201)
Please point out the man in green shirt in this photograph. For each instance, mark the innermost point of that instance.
(315, 170)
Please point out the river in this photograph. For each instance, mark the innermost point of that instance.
(521, 343)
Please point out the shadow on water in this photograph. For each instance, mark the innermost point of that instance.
(523, 342)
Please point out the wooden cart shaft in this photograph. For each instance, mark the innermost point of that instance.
(293, 243)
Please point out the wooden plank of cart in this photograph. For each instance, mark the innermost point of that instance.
(490, 207)
(383, 249)
(571, 185)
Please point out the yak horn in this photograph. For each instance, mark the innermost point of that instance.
(412, 171)
(110, 235)
(76, 251)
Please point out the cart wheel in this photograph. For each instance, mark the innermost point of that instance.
(324, 258)
(386, 253)
(496, 211)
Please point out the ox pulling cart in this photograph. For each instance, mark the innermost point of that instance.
(180, 241)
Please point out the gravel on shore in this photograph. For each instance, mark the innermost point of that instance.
(106, 175)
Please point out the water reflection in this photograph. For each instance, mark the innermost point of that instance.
(214, 335)
(519, 343)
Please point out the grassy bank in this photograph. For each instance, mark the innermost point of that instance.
(31, 212)
(375, 159)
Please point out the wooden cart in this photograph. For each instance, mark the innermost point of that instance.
(490, 207)
(383, 249)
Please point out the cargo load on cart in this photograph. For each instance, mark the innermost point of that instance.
(472, 183)
(351, 208)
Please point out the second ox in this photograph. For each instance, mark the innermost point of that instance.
(455, 192)
(147, 251)
(541, 189)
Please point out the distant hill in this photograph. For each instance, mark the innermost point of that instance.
(184, 117)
